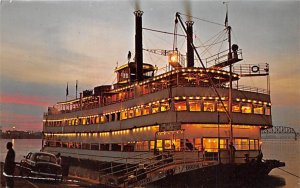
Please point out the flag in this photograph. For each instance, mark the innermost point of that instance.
(67, 90)
(226, 19)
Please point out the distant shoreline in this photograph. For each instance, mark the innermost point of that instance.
(21, 135)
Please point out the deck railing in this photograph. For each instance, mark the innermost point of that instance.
(96, 104)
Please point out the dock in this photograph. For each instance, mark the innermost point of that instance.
(32, 182)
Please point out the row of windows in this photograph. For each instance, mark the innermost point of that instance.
(195, 144)
(192, 105)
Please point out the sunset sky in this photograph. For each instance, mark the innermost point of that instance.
(45, 45)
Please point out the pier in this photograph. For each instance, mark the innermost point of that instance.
(35, 182)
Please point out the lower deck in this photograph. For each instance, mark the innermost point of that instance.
(208, 140)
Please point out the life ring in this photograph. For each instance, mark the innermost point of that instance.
(255, 68)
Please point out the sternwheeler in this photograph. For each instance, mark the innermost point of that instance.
(183, 124)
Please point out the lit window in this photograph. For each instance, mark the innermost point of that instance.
(254, 144)
(164, 106)
(159, 145)
(124, 115)
(210, 144)
(195, 105)
(131, 113)
(236, 107)
(258, 109)
(220, 107)
(97, 119)
(146, 110)
(138, 112)
(223, 144)
(198, 144)
(167, 144)
(155, 108)
(84, 121)
(177, 145)
(246, 108)
(152, 143)
(241, 144)
(102, 119)
(268, 111)
(180, 105)
(209, 106)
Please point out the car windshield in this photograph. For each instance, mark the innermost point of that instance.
(45, 157)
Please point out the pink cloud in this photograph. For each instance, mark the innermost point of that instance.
(20, 121)
(24, 100)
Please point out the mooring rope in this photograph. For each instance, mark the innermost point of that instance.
(289, 173)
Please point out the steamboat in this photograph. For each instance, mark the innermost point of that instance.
(183, 124)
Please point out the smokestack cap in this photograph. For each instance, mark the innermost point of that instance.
(189, 23)
(138, 13)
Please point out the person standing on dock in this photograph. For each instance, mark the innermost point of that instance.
(9, 166)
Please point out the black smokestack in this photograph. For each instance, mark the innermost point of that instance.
(190, 50)
(138, 45)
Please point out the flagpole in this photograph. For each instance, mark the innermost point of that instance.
(76, 88)
(67, 91)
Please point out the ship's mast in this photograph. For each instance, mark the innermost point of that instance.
(230, 77)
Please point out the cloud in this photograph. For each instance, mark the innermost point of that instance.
(24, 100)
(20, 121)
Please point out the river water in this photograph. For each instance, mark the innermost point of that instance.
(287, 151)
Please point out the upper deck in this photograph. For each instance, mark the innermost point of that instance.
(181, 94)
(183, 77)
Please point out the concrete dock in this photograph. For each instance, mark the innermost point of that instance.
(23, 182)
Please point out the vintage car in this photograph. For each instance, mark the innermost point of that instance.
(41, 164)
